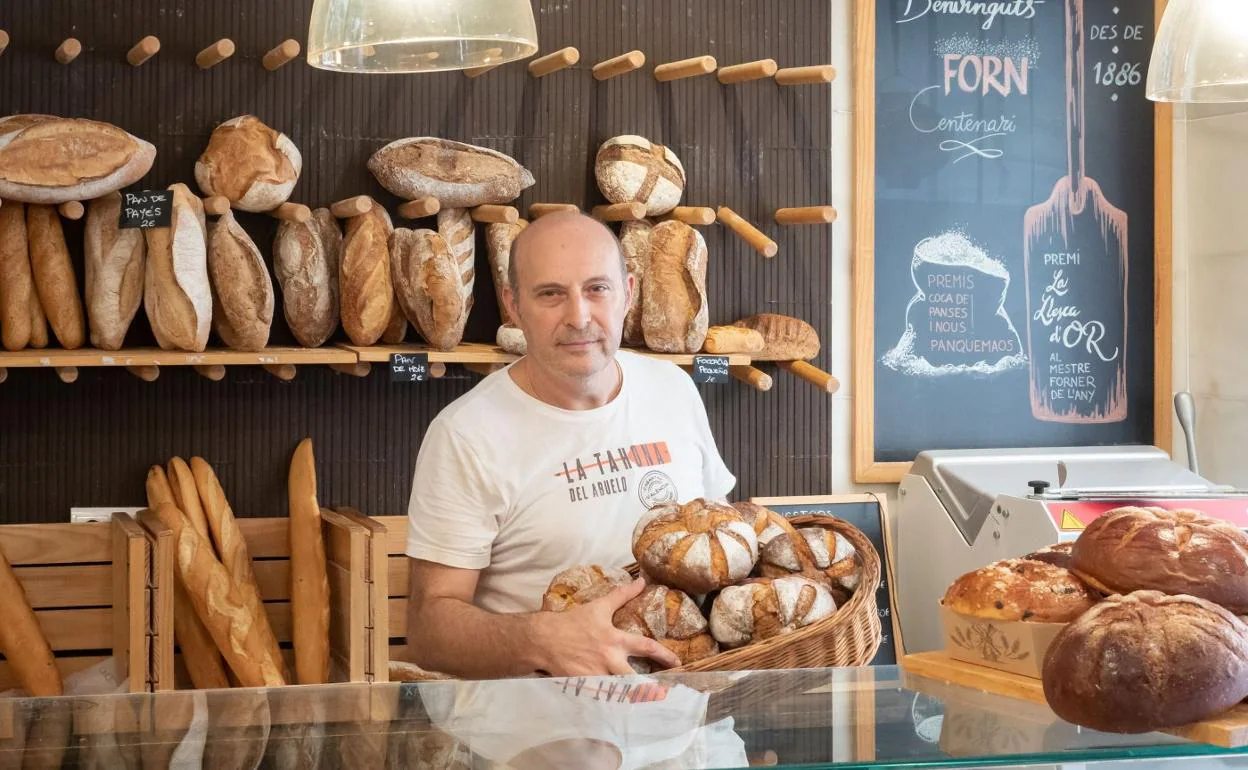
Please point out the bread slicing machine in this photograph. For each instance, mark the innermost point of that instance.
(962, 509)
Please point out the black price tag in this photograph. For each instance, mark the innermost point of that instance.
(146, 209)
(710, 369)
(409, 367)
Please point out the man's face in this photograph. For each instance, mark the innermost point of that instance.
(570, 298)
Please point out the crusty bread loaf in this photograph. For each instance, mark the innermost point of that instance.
(1017, 589)
(54, 275)
(674, 312)
(366, 292)
(305, 259)
(116, 260)
(429, 286)
(633, 169)
(511, 339)
(22, 641)
(158, 488)
(1147, 661)
(766, 522)
(21, 316)
(762, 608)
(459, 175)
(1175, 552)
(181, 483)
(1058, 554)
(582, 584)
(635, 242)
(396, 329)
(819, 553)
(242, 292)
(309, 574)
(670, 617)
(177, 295)
(498, 239)
(733, 339)
(785, 338)
(51, 160)
(697, 547)
(252, 165)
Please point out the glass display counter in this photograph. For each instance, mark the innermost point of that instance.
(825, 718)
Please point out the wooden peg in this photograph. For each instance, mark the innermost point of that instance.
(739, 73)
(537, 210)
(423, 207)
(812, 374)
(216, 205)
(686, 68)
(68, 50)
(4, 40)
(352, 207)
(280, 54)
(693, 215)
(619, 212)
(283, 372)
(561, 59)
(358, 369)
(792, 76)
(292, 212)
(437, 370)
(486, 65)
(619, 65)
(4, 374)
(145, 373)
(215, 53)
(485, 370)
(748, 232)
(491, 213)
(143, 50)
(214, 372)
(806, 215)
(67, 374)
(71, 210)
(754, 377)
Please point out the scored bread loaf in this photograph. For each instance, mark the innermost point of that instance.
(250, 164)
(633, 169)
(582, 584)
(459, 175)
(498, 239)
(671, 618)
(176, 292)
(309, 575)
(674, 312)
(457, 229)
(1018, 589)
(366, 292)
(21, 316)
(635, 242)
(242, 292)
(766, 522)
(762, 608)
(1057, 554)
(396, 329)
(821, 554)
(54, 275)
(51, 160)
(186, 496)
(22, 641)
(697, 547)
(733, 339)
(116, 259)
(785, 338)
(305, 259)
(429, 286)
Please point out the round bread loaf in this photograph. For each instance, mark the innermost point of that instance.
(767, 523)
(582, 584)
(818, 553)
(672, 619)
(1058, 554)
(1175, 552)
(761, 608)
(785, 338)
(251, 164)
(511, 339)
(1018, 589)
(696, 547)
(632, 169)
(1147, 661)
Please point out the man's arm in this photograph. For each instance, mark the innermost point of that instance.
(446, 633)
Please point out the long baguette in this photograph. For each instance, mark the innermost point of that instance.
(158, 489)
(234, 556)
(220, 605)
(309, 577)
(22, 641)
(186, 496)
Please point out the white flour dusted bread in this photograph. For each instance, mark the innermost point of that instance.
(511, 339)
(459, 175)
(672, 619)
(115, 263)
(250, 164)
(305, 259)
(176, 293)
(46, 159)
(242, 291)
(766, 522)
(632, 169)
(697, 547)
(498, 239)
(674, 313)
(429, 286)
(766, 607)
(582, 584)
(635, 241)
(818, 553)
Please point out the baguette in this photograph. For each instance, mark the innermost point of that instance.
(732, 339)
(21, 316)
(22, 641)
(158, 488)
(309, 576)
(115, 264)
(366, 294)
(186, 496)
(234, 556)
(54, 275)
(220, 605)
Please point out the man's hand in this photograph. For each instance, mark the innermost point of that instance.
(583, 642)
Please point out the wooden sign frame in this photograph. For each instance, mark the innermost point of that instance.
(867, 469)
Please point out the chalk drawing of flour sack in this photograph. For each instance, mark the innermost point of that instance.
(956, 321)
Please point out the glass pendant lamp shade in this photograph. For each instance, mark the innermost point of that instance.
(419, 35)
(1201, 53)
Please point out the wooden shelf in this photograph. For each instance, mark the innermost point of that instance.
(477, 353)
(55, 357)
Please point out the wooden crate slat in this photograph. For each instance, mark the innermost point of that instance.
(396, 533)
(82, 629)
(25, 544)
(69, 664)
(273, 579)
(67, 585)
(398, 575)
(131, 612)
(266, 538)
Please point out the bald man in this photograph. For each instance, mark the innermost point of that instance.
(548, 464)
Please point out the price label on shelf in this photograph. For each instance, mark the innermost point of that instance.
(146, 209)
(409, 367)
(710, 369)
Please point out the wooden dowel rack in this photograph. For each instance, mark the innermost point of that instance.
(542, 209)
(358, 369)
(292, 212)
(422, 207)
(214, 372)
(215, 54)
(685, 68)
(67, 374)
(806, 215)
(283, 372)
(561, 59)
(352, 207)
(812, 374)
(748, 232)
(494, 213)
(281, 54)
(752, 376)
(145, 373)
(143, 50)
(68, 50)
(693, 215)
(619, 65)
(793, 76)
(71, 210)
(740, 73)
(620, 212)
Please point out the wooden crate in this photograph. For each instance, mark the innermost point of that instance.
(391, 575)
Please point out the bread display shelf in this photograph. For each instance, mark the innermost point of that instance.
(478, 353)
(55, 358)
(1230, 730)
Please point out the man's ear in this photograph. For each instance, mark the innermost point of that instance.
(509, 302)
(630, 285)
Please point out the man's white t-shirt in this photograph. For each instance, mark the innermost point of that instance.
(520, 489)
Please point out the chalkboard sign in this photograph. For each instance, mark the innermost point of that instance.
(1009, 230)
(868, 514)
(146, 209)
(409, 367)
(710, 369)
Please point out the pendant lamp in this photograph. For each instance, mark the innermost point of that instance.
(393, 36)
(1201, 53)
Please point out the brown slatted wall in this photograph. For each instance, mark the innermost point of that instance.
(753, 147)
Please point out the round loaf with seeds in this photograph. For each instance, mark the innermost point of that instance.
(697, 547)
(1020, 589)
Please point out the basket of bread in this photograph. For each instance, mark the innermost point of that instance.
(1135, 626)
(739, 587)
